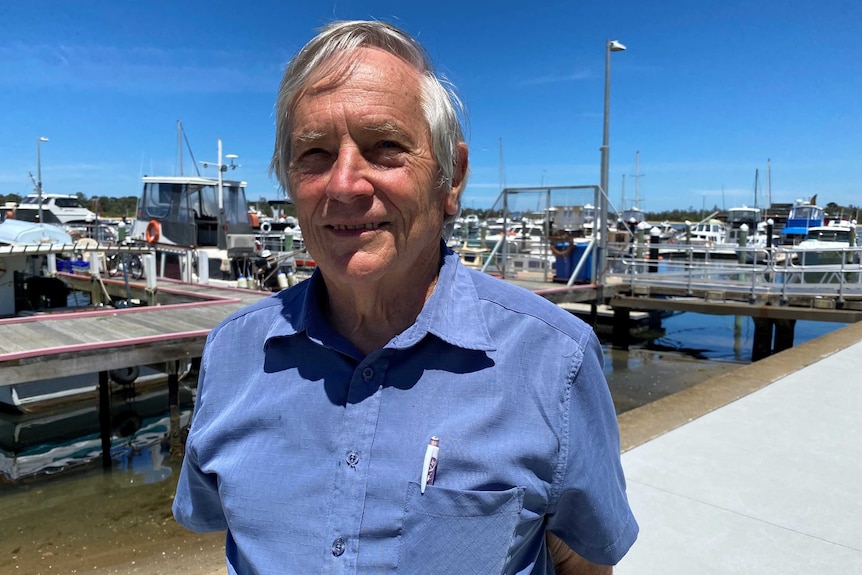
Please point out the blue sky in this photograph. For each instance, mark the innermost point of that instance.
(707, 93)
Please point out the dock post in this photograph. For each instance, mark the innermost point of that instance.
(762, 345)
(95, 291)
(654, 237)
(620, 334)
(105, 418)
(176, 443)
(784, 329)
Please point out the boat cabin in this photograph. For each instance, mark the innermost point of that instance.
(803, 215)
(736, 217)
(192, 211)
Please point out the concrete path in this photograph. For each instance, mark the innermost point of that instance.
(758, 471)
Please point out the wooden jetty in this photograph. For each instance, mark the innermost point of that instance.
(51, 344)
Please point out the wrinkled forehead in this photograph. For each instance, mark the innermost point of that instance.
(336, 69)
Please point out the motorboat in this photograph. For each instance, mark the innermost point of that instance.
(57, 209)
(707, 233)
(826, 250)
(24, 250)
(804, 214)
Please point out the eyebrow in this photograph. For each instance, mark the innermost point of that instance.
(309, 136)
(387, 127)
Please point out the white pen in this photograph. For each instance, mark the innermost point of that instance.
(429, 466)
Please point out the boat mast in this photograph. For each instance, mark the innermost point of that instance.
(180, 147)
(637, 176)
(623, 198)
(768, 183)
(755, 187)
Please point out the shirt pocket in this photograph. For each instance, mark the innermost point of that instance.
(453, 531)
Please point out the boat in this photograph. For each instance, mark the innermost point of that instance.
(751, 218)
(25, 286)
(57, 209)
(804, 214)
(826, 250)
(711, 232)
(204, 215)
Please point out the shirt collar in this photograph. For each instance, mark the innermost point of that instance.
(452, 313)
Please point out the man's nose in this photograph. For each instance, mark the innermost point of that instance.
(349, 175)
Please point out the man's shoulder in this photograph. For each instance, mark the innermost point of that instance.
(265, 310)
(509, 300)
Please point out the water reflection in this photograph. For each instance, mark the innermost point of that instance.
(68, 437)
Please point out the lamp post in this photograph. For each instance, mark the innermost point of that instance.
(602, 216)
(39, 172)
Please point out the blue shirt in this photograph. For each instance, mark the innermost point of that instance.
(309, 453)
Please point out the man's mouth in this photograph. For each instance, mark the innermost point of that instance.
(356, 227)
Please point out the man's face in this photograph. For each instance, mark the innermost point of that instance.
(363, 174)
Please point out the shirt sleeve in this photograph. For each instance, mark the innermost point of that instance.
(592, 513)
(197, 505)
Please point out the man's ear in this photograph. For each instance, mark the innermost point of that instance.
(459, 178)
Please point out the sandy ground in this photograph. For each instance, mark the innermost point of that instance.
(101, 526)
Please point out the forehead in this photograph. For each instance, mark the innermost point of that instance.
(364, 69)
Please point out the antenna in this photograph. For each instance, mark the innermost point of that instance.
(223, 167)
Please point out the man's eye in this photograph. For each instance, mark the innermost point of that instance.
(313, 152)
(390, 145)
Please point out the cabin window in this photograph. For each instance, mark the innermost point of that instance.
(67, 203)
(157, 199)
(235, 207)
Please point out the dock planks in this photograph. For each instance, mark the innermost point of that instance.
(53, 344)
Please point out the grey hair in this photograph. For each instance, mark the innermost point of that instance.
(442, 108)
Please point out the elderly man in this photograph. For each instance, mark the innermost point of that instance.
(311, 443)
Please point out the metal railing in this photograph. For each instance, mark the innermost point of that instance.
(783, 270)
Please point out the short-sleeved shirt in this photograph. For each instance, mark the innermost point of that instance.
(309, 453)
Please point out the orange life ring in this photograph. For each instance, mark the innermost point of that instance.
(154, 230)
(562, 253)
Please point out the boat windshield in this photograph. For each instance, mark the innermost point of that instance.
(806, 212)
(189, 202)
(741, 216)
(828, 235)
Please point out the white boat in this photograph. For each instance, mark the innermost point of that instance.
(57, 209)
(24, 248)
(826, 251)
(709, 233)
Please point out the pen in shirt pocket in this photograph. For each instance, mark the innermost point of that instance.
(429, 465)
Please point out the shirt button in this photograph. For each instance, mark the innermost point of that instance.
(352, 458)
(338, 547)
(367, 373)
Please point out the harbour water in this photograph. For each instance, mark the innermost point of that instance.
(62, 514)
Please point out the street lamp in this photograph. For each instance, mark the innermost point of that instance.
(39, 172)
(602, 216)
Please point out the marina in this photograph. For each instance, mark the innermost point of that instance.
(668, 326)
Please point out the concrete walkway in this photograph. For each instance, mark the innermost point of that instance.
(758, 471)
